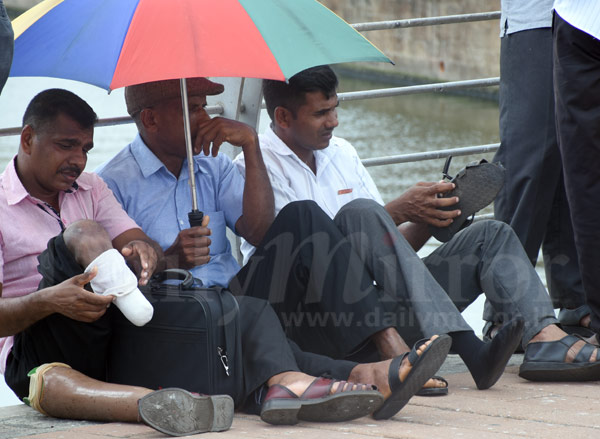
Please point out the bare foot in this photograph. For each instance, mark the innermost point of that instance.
(377, 373)
(389, 343)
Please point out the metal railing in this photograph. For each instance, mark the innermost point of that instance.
(386, 92)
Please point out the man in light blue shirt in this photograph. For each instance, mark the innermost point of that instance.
(223, 197)
(166, 217)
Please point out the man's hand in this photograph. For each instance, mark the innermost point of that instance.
(421, 205)
(191, 247)
(142, 257)
(217, 130)
(70, 299)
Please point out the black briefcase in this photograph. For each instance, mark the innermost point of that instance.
(192, 341)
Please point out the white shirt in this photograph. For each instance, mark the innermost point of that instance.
(582, 14)
(340, 178)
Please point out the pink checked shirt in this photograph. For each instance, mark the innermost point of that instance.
(25, 230)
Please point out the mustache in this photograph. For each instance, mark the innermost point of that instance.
(71, 170)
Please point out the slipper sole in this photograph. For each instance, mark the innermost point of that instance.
(424, 368)
(177, 412)
(475, 188)
(337, 407)
(551, 371)
(434, 391)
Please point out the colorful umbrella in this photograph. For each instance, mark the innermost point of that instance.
(115, 43)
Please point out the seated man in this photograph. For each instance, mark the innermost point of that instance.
(303, 262)
(305, 161)
(59, 334)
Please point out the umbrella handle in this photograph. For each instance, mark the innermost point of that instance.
(195, 216)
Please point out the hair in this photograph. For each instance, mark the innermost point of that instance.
(45, 107)
(291, 95)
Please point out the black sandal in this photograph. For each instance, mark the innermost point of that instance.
(545, 361)
(477, 184)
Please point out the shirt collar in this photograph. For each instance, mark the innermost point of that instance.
(16, 192)
(150, 164)
(147, 161)
(322, 156)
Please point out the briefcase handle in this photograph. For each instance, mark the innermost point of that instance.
(186, 278)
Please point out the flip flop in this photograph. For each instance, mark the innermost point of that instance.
(545, 361)
(317, 404)
(434, 391)
(177, 412)
(477, 184)
(423, 368)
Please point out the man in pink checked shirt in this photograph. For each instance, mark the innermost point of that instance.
(55, 221)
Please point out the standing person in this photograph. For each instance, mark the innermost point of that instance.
(306, 161)
(533, 199)
(576, 34)
(6, 45)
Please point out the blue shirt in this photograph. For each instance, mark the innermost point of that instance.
(159, 202)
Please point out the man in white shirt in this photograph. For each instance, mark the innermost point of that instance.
(305, 161)
(576, 34)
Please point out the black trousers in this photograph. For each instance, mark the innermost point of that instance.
(314, 281)
(84, 346)
(577, 97)
(533, 199)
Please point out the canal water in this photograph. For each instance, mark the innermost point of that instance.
(377, 127)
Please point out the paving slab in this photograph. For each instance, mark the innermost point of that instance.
(513, 408)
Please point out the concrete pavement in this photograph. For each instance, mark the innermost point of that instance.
(512, 408)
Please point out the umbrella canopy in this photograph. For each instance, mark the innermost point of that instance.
(115, 43)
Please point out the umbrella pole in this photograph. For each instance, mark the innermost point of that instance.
(195, 216)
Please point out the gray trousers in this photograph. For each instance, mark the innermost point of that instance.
(533, 200)
(6, 45)
(426, 297)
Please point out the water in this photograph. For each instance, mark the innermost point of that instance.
(376, 127)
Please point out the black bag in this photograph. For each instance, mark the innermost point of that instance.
(193, 340)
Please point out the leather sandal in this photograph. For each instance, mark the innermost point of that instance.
(477, 184)
(423, 368)
(545, 361)
(317, 404)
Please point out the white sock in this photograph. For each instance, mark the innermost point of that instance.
(115, 278)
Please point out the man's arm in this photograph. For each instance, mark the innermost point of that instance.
(68, 298)
(258, 204)
(141, 252)
(420, 206)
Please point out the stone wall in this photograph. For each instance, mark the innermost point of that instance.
(445, 52)
(20, 4)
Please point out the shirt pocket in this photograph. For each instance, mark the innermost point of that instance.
(218, 235)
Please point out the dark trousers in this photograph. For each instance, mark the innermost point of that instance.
(314, 281)
(577, 96)
(533, 199)
(84, 346)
